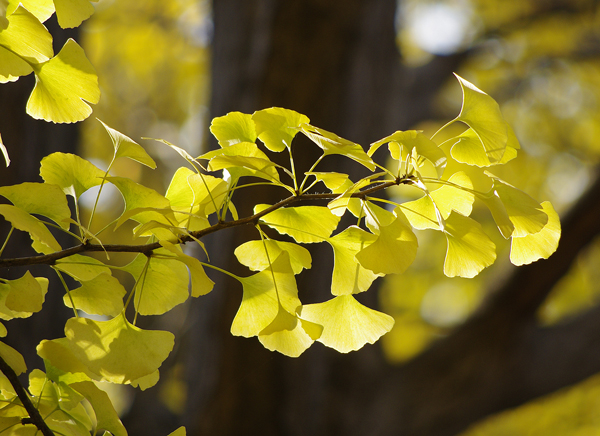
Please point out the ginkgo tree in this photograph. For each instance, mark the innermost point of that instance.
(447, 177)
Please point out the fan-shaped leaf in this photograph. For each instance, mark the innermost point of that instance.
(106, 416)
(41, 9)
(13, 358)
(127, 147)
(21, 297)
(63, 86)
(540, 245)
(188, 192)
(102, 295)
(43, 241)
(347, 324)
(233, 128)
(73, 174)
(81, 268)
(71, 13)
(26, 37)
(306, 224)
(276, 127)
(252, 254)
(201, 283)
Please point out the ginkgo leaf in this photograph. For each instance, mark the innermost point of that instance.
(540, 245)
(63, 85)
(252, 254)
(125, 146)
(27, 38)
(393, 251)
(422, 212)
(334, 144)
(524, 212)
(21, 297)
(345, 201)
(163, 285)
(81, 268)
(41, 9)
(335, 182)
(347, 324)
(499, 213)
(289, 334)
(242, 159)
(470, 250)
(106, 416)
(3, 331)
(146, 381)
(201, 283)
(43, 240)
(13, 358)
(263, 293)
(409, 140)
(233, 128)
(482, 114)
(377, 217)
(102, 295)
(41, 199)
(71, 13)
(188, 192)
(276, 127)
(349, 276)
(12, 67)
(306, 224)
(73, 174)
(179, 432)
(468, 149)
(116, 350)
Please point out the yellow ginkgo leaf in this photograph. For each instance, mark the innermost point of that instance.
(276, 127)
(347, 324)
(233, 128)
(63, 85)
(71, 13)
(252, 254)
(13, 358)
(306, 224)
(540, 245)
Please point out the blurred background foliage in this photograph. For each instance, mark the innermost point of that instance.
(542, 67)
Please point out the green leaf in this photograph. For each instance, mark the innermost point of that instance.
(73, 174)
(470, 250)
(276, 127)
(63, 85)
(263, 293)
(252, 254)
(334, 144)
(482, 114)
(393, 251)
(201, 283)
(289, 334)
(233, 128)
(306, 224)
(349, 276)
(115, 350)
(102, 295)
(421, 213)
(13, 358)
(27, 38)
(529, 248)
(43, 241)
(41, 9)
(81, 268)
(347, 324)
(21, 297)
(41, 199)
(164, 283)
(71, 13)
(127, 147)
(106, 416)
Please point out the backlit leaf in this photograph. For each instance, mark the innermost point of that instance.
(306, 224)
(102, 295)
(233, 128)
(262, 297)
(347, 324)
(470, 250)
(71, 13)
(468, 149)
(242, 159)
(349, 276)
(334, 144)
(27, 38)
(540, 245)
(21, 297)
(188, 192)
(81, 268)
(252, 254)
(164, 283)
(41, 9)
(394, 249)
(13, 358)
(116, 350)
(73, 174)
(201, 283)
(106, 416)
(11, 68)
(41, 199)
(335, 182)
(289, 334)
(43, 241)
(63, 85)
(482, 114)
(276, 127)
(125, 146)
